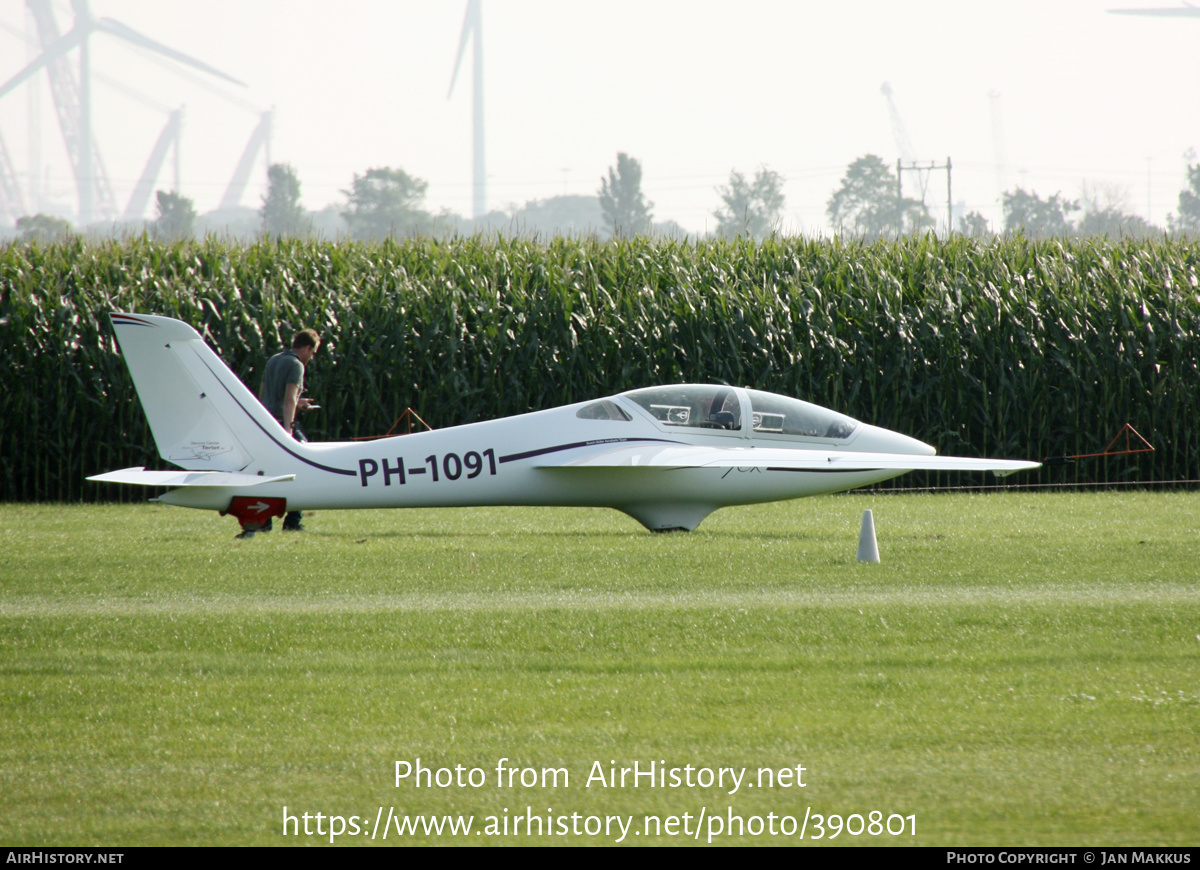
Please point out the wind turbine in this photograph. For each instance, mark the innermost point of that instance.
(473, 27)
(73, 99)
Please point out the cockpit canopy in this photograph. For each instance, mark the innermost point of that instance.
(696, 406)
(692, 406)
(784, 416)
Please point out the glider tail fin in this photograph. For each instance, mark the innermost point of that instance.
(203, 418)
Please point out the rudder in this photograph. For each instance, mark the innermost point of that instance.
(202, 417)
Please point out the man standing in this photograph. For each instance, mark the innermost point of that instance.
(282, 384)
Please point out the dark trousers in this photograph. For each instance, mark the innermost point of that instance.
(292, 520)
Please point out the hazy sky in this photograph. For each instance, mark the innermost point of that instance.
(692, 89)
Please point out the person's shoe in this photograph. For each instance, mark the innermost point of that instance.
(295, 527)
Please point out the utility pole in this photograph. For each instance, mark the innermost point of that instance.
(900, 197)
(917, 167)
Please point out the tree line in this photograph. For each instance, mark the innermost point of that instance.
(867, 203)
(388, 202)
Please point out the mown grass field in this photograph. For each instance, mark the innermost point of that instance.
(1021, 669)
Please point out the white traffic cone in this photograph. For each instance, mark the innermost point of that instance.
(868, 549)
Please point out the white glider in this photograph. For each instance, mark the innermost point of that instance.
(667, 456)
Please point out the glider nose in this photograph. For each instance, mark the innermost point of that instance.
(874, 439)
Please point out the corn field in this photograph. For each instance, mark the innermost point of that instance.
(1007, 348)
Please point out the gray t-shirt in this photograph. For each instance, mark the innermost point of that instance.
(282, 369)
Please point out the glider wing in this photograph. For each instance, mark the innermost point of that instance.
(780, 459)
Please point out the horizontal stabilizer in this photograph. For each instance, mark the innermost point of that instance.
(782, 459)
(142, 477)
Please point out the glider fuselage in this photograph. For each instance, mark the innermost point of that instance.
(526, 460)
